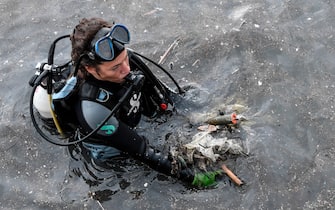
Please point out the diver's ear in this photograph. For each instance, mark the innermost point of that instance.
(90, 69)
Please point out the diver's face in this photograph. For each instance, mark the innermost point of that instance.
(112, 71)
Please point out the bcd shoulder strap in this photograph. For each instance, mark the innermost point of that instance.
(63, 103)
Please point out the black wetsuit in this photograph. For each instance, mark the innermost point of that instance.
(95, 101)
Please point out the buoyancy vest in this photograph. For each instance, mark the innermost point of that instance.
(107, 95)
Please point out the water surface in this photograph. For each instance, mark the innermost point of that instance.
(274, 57)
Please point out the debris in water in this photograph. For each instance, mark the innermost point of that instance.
(209, 146)
(208, 128)
(153, 11)
(172, 46)
(223, 120)
(231, 175)
(205, 145)
(196, 62)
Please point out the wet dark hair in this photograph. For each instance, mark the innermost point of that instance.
(81, 39)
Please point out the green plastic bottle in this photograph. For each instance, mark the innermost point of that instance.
(206, 179)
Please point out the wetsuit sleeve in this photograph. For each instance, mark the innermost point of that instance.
(127, 140)
(120, 136)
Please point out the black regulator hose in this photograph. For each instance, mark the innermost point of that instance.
(52, 49)
(180, 90)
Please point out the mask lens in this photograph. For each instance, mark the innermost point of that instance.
(121, 34)
(104, 49)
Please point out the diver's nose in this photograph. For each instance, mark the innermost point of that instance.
(125, 68)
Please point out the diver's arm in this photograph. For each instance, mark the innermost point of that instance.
(120, 136)
(127, 140)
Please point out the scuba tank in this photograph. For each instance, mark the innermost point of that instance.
(48, 80)
(61, 90)
(40, 102)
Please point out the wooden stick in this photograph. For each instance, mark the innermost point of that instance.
(231, 175)
(101, 205)
(173, 45)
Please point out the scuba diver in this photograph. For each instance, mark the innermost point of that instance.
(99, 101)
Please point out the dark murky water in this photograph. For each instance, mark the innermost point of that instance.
(275, 57)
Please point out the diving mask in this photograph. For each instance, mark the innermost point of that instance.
(108, 43)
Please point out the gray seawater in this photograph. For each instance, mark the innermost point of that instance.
(274, 57)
